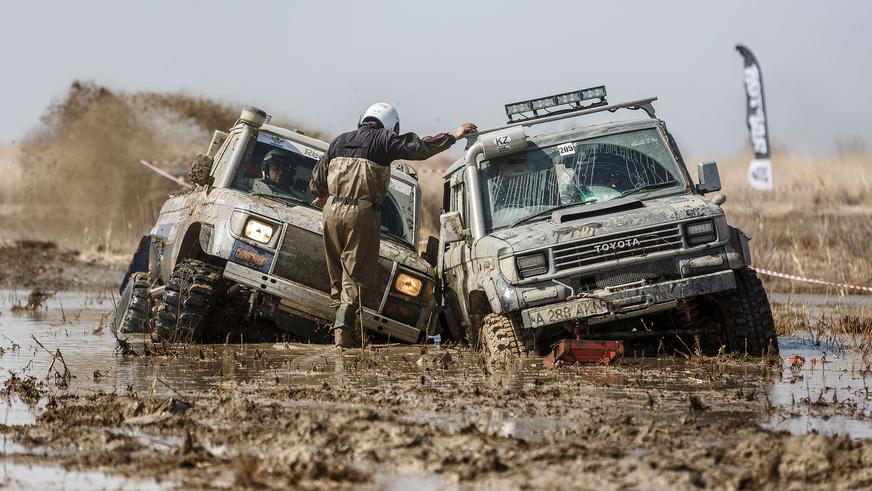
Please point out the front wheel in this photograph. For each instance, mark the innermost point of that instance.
(746, 318)
(132, 311)
(501, 338)
(187, 302)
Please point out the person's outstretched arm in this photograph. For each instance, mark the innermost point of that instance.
(409, 146)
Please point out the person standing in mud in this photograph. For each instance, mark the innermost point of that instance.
(350, 182)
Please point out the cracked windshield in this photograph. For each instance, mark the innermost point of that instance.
(531, 184)
(279, 168)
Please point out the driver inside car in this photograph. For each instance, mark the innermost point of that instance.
(277, 173)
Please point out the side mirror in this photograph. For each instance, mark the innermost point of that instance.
(201, 169)
(451, 227)
(709, 178)
(431, 252)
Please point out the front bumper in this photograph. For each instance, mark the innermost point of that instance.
(605, 305)
(308, 302)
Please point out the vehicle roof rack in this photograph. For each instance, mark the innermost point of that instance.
(570, 101)
(643, 104)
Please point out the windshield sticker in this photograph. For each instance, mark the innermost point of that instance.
(566, 149)
(285, 144)
(315, 154)
(400, 187)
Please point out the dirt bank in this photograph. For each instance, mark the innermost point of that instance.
(28, 265)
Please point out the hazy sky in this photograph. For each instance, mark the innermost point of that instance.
(446, 62)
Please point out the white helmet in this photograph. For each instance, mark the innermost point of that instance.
(386, 114)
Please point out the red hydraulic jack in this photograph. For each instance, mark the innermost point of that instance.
(572, 351)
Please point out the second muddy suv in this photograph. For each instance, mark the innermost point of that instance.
(595, 232)
(243, 250)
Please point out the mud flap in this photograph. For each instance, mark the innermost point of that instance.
(139, 262)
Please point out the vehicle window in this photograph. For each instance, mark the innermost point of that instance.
(399, 211)
(278, 168)
(585, 171)
(446, 197)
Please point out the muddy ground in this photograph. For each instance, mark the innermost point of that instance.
(76, 413)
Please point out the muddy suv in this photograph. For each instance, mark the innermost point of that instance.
(595, 232)
(242, 252)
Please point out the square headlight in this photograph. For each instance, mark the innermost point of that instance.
(532, 264)
(258, 231)
(700, 232)
(408, 284)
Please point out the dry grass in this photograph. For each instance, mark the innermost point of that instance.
(841, 326)
(819, 227)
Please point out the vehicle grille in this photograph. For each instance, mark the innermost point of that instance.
(301, 259)
(661, 268)
(617, 246)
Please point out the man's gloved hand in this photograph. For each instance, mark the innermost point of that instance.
(320, 201)
(464, 129)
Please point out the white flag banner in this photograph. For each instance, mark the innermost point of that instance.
(760, 174)
(760, 170)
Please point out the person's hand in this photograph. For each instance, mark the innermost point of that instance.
(320, 201)
(464, 129)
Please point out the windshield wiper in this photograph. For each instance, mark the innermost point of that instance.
(552, 210)
(646, 187)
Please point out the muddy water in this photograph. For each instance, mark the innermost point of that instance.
(828, 393)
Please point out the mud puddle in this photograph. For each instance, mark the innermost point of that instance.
(31, 476)
(392, 417)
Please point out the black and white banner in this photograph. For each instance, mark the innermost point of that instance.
(760, 170)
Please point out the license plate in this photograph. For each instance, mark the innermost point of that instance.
(252, 257)
(553, 314)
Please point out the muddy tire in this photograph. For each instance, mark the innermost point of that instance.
(500, 338)
(188, 300)
(134, 307)
(747, 325)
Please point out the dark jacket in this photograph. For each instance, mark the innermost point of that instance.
(378, 145)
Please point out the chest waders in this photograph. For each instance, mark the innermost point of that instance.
(352, 231)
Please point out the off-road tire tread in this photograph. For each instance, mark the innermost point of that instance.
(500, 338)
(748, 324)
(136, 305)
(187, 301)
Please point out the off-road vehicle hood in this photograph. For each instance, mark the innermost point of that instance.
(310, 219)
(605, 218)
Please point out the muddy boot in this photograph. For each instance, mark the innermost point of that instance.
(343, 326)
(342, 337)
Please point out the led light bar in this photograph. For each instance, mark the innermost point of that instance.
(572, 99)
